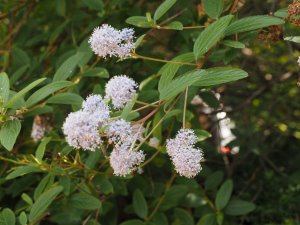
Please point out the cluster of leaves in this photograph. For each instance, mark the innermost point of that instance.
(49, 68)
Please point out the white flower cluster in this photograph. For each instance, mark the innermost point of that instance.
(81, 127)
(40, 127)
(120, 89)
(298, 61)
(185, 157)
(124, 159)
(108, 41)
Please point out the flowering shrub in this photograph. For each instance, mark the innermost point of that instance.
(81, 144)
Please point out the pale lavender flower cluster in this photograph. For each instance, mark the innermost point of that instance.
(120, 90)
(184, 155)
(124, 159)
(108, 41)
(81, 127)
(298, 61)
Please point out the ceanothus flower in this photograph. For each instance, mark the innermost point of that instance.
(120, 89)
(184, 155)
(124, 160)
(121, 132)
(95, 104)
(108, 41)
(81, 130)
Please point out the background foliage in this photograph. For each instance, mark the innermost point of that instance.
(49, 183)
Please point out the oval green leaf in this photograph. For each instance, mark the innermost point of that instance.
(139, 204)
(252, 23)
(163, 8)
(21, 171)
(211, 35)
(85, 201)
(239, 207)
(46, 91)
(21, 93)
(43, 202)
(9, 133)
(213, 8)
(220, 75)
(4, 87)
(224, 194)
(7, 217)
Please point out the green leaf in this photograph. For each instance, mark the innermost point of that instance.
(96, 72)
(239, 207)
(7, 217)
(43, 202)
(224, 194)
(163, 8)
(211, 35)
(183, 216)
(68, 67)
(85, 201)
(26, 198)
(139, 21)
(139, 204)
(295, 39)
(283, 13)
(61, 7)
(21, 93)
(21, 171)
(23, 218)
(214, 180)
(220, 218)
(252, 23)
(17, 74)
(202, 135)
(159, 219)
(4, 87)
(132, 222)
(103, 184)
(128, 107)
(39, 154)
(58, 31)
(173, 196)
(179, 84)
(210, 99)
(66, 98)
(9, 133)
(175, 25)
(45, 91)
(20, 103)
(220, 75)
(94, 4)
(213, 8)
(208, 219)
(233, 44)
(44, 184)
(169, 70)
(139, 41)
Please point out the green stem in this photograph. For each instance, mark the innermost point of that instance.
(136, 56)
